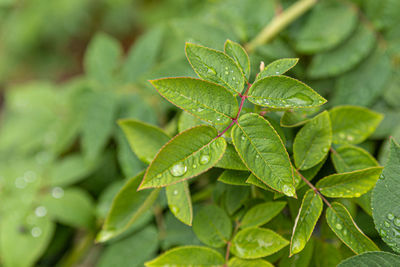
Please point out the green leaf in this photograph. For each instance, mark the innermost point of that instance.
(344, 57)
(144, 139)
(207, 101)
(350, 158)
(363, 85)
(295, 118)
(69, 170)
(102, 59)
(73, 207)
(263, 152)
(131, 251)
(188, 256)
(352, 124)
(372, 259)
(232, 177)
(312, 142)
(252, 243)
(386, 199)
(257, 182)
(262, 213)
(278, 67)
(22, 244)
(212, 226)
(340, 221)
(238, 262)
(98, 123)
(309, 212)
(231, 160)
(143, 55)
(239, 55)
(179, 201)
(349, 184)
(326, 254)
(215, 66)
(329, 24)
(127, 207)
(188, 154)
(283, 92)
(235, 197)
(187, 121)
(303, 259)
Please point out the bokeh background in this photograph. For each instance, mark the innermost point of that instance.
(69, 69)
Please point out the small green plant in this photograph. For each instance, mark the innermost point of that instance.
(228, 123)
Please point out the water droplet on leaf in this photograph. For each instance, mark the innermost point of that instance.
(57, 192)
(36, 231)
(204, 159)
(396, 222)
(175, 192)
(339, 226)
(390, 216)
(40, 211)
(178, 169)
(211, 71)
(289, 190)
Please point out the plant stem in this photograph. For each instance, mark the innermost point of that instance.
(229, 243)
(79, 250)
(280, 22)
(314, 188)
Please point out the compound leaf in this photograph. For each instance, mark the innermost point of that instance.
(188, 154)
(342, 224)
(312, 142)
(283, 92)
(349, 184)
(309, 212)
(187, 256)
(352, 124)
(263, 152)
(205, 100)
(215, 66)
(212, 226)
(253, 243)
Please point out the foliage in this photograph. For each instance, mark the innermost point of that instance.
(272, 149)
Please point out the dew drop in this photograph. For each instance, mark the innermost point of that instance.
(301, 99)
(357, 194)
(178, 169)
(20, 183)
(257, 156)
(204, 159)
(233, 78)
(175, 192)
(350, 138)
(40, 211)
(383, 233)
(57, 192)
(396, 222)
(382, 177)
(194, 166)
(211, 71)
(288, 190)
(342, 136)
(226, 72)
(390, 216)
(175, 209)
(276, 72)
(30, 176)
(345, 232)
(387, 224)
(36, 231)
(200, 109)
(159, 175)
(325, 149)
(226, 68)
(243, 138)
(218, 118)
(339, 226)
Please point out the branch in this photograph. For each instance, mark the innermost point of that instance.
(280, 22)
(314, 188)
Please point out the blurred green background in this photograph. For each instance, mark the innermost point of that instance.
(69, 69)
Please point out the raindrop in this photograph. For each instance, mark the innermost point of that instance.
(233, 78)
(350, 138)
(204, 159)
(387, 224)
(200, 109)
(194, 166)
(226, 68)
(339, 226)
(396, 222)
(211, 71)
(175, 209)
(301, 99)
(345, 232)
(277, 72)
(175, 192)
(257, 156)
(226, 72)
(325, 149)
(159, 175)
(40, 211)
(383, 233)
(288, 190)
(243, 138)
(57, 192)
(382, 177)
(36, 231)
(178, 169)
(342, 136)
(30, 176)
(357, 194)
(218, 118)
(390, 216)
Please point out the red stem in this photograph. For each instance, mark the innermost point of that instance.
(314, 188)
